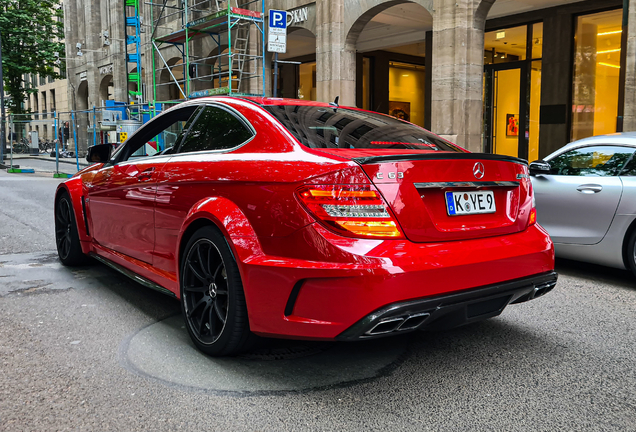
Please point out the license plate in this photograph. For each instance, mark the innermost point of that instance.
(467, 203)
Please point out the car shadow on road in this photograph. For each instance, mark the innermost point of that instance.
(163, 352)
(622, 278)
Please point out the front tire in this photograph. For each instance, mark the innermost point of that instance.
(631, 253)
(67, 239)
(212, 298)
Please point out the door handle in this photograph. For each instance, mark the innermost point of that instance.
(145, 174)
(590, 188)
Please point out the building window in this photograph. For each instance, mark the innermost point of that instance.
(53, 102)
(307, 81)
(512, 90)
(42, 80)
(406, 92)
(597, 66)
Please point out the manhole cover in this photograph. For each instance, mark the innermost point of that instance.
(164, 352)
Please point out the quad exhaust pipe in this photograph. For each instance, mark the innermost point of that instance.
(397, 324)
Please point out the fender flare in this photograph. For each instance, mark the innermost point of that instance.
(75, 189)
(232, 223)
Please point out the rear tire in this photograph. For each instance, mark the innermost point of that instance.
(631, 253)
(212, 297)
(67, 239)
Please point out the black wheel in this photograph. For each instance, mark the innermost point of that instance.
(631, 253)
(66, 237)
(212, 298)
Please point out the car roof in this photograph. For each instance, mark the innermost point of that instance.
(263, 101)
(624, 138)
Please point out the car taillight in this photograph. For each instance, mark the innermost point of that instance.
(353, 211)
(532, 219)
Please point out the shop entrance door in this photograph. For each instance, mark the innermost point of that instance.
(506, 109)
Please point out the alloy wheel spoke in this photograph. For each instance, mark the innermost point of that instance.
(67, 247)
(203, 316)
(196, 289)
(217, 271)
(211, 321)
(197, 305)
(221, 314)
(201, 262)
(195, 272)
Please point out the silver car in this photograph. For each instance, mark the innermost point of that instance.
(586, 199)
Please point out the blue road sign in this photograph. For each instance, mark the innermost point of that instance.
(277, 19)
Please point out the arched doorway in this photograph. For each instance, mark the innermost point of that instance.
(106, 89)
(298, 81)
(82, 96)
(167, 88)
(392, 42)
(79, 130)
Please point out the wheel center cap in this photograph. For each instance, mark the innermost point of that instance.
(212, 290)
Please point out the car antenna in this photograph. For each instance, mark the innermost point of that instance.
(334, 104)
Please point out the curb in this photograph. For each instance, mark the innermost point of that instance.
(62, 175)
(20, 170)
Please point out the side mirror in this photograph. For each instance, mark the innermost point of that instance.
(539, 167)
(99, 153)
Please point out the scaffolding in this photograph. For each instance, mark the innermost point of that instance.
(235, 34)
(132, 18)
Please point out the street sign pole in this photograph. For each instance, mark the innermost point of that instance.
(275, 74)
(3, 143)
(277, 40)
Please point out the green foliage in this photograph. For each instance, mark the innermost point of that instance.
(30, 31)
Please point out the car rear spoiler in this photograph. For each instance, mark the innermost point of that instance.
(438, 155)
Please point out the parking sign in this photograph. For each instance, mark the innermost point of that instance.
(277, 37)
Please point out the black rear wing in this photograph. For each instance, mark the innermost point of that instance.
(438, 155)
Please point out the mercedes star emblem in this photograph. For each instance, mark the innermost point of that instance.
(478, 170)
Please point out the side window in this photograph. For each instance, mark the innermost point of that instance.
(215, 129)
(160, 136)
(600, 161)
(630, 168)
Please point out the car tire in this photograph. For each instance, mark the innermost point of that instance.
(67, 239)
(631, 252)
(212, 298)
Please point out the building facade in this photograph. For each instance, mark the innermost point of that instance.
(512, 77)
(51, 97)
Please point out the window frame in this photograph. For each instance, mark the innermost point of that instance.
(592, 144)
(117, 157)
(232, 111)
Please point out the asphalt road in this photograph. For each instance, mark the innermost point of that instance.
(86, 349)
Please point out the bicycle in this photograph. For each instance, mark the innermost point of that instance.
(21, 147)
(45, 146)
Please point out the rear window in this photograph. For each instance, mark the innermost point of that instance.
(326, 127)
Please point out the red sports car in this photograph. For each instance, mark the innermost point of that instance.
(305, 220)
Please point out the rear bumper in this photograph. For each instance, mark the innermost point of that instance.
(334, 283)
(448, 311)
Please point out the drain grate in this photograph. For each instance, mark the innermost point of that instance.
(286, 350)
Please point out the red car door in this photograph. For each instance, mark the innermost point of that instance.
(121, 200)
(121, 197)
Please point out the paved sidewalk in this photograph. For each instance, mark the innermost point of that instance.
(46, 163)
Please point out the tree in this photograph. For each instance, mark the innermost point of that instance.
(31, 32)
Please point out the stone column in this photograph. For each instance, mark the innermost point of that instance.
(458, 67)
(629, 119)
(335, 58)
